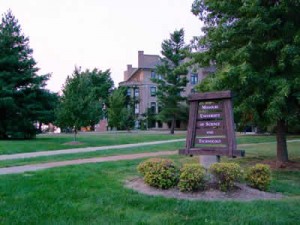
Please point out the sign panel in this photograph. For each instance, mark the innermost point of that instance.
(211, 141)
(201, 124)
(210, 107)
(209, 116)
(209, 132)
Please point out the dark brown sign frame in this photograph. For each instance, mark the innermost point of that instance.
(199, 123)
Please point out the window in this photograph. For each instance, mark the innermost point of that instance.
(128, 92)
(137, 108)
(159, 76)
(153, 91)
(153, 75)
(136, 92)
(194, 78)
(153, 107)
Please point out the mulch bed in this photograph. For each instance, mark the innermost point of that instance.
(241, 192)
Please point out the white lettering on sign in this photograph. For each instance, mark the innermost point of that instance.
(210, 141)
(208, 116)
(210, 107)
(210, 124)
(210, 132)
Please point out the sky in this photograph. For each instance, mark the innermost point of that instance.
(103, 34)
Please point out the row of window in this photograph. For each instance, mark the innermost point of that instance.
(193, 80)
(152, 107)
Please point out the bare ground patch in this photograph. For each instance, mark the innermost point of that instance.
(240, 193)
(74, 143)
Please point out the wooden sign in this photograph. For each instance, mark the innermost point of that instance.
(211, 126)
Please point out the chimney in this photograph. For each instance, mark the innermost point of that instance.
(128, 72)
(140, 59)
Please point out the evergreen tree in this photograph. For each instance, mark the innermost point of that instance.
(173, 79)
(256, 47)
(19, 82)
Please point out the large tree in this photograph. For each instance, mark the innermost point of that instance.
(172, 79)
(84, 96)
(256, 47)
(19, 82)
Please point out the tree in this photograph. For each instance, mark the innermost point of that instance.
(84, 95)
(120, 111)
(173, 74)
(19, 82)
(256, 47)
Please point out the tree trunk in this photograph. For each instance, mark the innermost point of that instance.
(172, 126)
(75, 133)
(282, 152)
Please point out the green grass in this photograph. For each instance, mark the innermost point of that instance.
(58, 141)
(95, 194)
(111, 152)
(257, 149)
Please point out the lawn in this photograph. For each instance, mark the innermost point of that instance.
(51, 142)
(58, 141)
(95, 194)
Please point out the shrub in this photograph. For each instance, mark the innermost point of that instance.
(146, 165)
(160, 173)
(192, 177)
(259, 176)
(226, 174)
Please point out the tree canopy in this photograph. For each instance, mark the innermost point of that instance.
(256, 48)
(84, 96)
(120, 111)
(21, 98)
(173, 78)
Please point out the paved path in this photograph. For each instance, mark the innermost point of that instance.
(41, 166)
(80, 150)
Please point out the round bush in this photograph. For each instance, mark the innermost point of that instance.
(146, 165)
(226, 174)
(192, 177)
(259, 176)
(160, 173)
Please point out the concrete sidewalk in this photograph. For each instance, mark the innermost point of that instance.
(81, 150)
(41, 166)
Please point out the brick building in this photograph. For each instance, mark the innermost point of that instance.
(142, 89)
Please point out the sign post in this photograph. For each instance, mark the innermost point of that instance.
(211, 126)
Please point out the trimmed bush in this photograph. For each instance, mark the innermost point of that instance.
(259, 176)
(146, 165)
(160, 173)
(226, 174)
(192, 177)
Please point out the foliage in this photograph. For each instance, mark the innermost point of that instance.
(191, 178)
(84, 96)
(22, 94)
(147, 165)
(160, 173)
(173, 79)
(259, 176)
(120, 111)
(226, 174)
(256, 48)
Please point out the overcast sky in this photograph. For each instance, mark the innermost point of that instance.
(103, 34)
